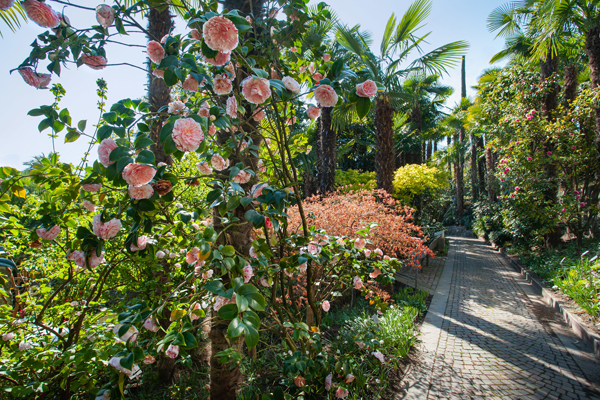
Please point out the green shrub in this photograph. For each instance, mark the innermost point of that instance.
(353, 180)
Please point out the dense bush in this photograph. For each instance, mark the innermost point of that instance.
(352, 180)
(415, 179)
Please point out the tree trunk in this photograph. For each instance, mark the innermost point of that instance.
(327, 151)
(481, 165)
(474, 182)
(385, 160)
(434, 146)
(571, 84)
(458, 181)
(429, 148)
(489, 161)
(159, 94)
(548, 68)
(592, 48)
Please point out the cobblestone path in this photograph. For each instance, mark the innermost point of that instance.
(490, 343)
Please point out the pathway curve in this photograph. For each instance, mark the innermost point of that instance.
(485, 338)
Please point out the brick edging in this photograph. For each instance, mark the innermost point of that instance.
(572, 320)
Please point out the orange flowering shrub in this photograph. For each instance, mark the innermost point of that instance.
(343, 214)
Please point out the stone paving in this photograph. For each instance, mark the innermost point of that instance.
(428, 277)
(488, 343)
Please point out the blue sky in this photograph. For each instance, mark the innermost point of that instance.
(449, 21)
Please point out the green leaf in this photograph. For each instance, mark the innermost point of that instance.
(190, 340)
(228, 251)
(260, 73)
(228, 311)
(166, 131)
(214, 287)
(143, 142)
(207, 51)
(235, 328)
(81, 125)
(363, 105)
(242, 302)
(110, 117)
(104, 132)
(256, 301)
(251, 336)
(72, 136)
(145, 157)
(170, 76)
(250, 317)
(209, 233)
(117, 153)
(64, 116)
(35, 112)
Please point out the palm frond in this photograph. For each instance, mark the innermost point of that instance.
(412, 20)
(13, 17)
(387, 35)
(507, 18)
(438, 61)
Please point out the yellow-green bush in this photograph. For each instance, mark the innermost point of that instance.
(353, 180)
(414, 179)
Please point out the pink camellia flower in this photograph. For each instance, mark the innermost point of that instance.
(115, 362)
(257, 189)
(7, 337)
(317, 76)
(378, 252)
(159, 73)
(358, 283)
(261, 167)
(326, 96)
(94, 62)
(172, 351)
(256, 90)
(269, 225)
(242, 177)
(379, 356)
(231, 107)
(219, 163)
(6, 4)
(105, 230)
(187, 134)
(252, 252)
(207, 274)
(204, 110)
(375, 273)
(299, 381)
(140, 192)
(142, 242)
(105, 15)
(326, 57)
(529, 158)
(160, 254)
(195, 34)
(193, 255)
(248, 273)
(574, 147)
(564, 209)
(104, 150)
(386, 258)
(34, 79)
(230, 68)
(313, 249)
(517, 188)
(193, 316)
(138, 174)
(155, 51)
(204, 168)
(190, 84)
(328, 382)
(220, 301)
(302, 69)
(175, 107)
(311, 68)
(259, 116)
(148, 359)
(212, 129)
(360, 243)
(129, 336)
(349, 378)
(366, 89)
(25, 345)
(264, 281)
(222, 85)
(582, 204)
(49, 234)
(341, 393)
(326, 306)
(220, 34)
(78, 257)
(91, 207)
(303, 267)
(222, 58)
(41, 13)
(367, 253)
(313, 112)
(549, 153)
(291, 84)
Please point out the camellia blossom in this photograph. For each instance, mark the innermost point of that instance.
(105, 230)
(375, 273)
(187, 134)
(326, 306)
(252, 252)
(248, 273)
(358, 283)
(222, 58)
(317, 76)
(257, 189)
(299, 381)
(116, 363)
(142, 242)
(328, 382)
(175, 107)
(155, 51)
(349, 378)
(360, 243)
(105, 15)
(94, 62)
(379, 356)
(41, 13)
(140, 192)
(311, 68)
(367, 252)
(193, 316)
(231, 107)
(218, 162)
(25, 346)
(256, 90)
(131, 334)
(34, 79)
(291, 84)
(204, 168)
(49, 234)
(341, 393)
(172, 351)
(222, 85)
(160, 254)
(193, 255)
(207, 274)
(159, 73)
(242, 177)
(302, 267)
(7, 337)
(326, 96)
(326, 57)
(264, 281)
(366, 89)
(313, 112)
(220, 34)
(259, 116)
(261, 166)
(138, 174)
(6, 4)
(196, 34)
(378, 251)
(190, 84)
(106, 147)
(78, 257)
(91, 207)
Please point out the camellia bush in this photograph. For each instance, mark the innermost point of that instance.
(122, 264)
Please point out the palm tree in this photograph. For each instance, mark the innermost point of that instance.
(13, 17)
(400, 40)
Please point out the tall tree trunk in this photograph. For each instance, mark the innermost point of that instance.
(548, 67)
(592, 48)
(481, 165)
(429, 148)
(571, 84)
(489, 162)
(327, 152)
(384, 139)
(474, 181)
(160, 23)
(458, 181)
(434, 147)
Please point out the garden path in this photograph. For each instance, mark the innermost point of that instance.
(487, 336)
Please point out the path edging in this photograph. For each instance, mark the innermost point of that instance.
(572, 320)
